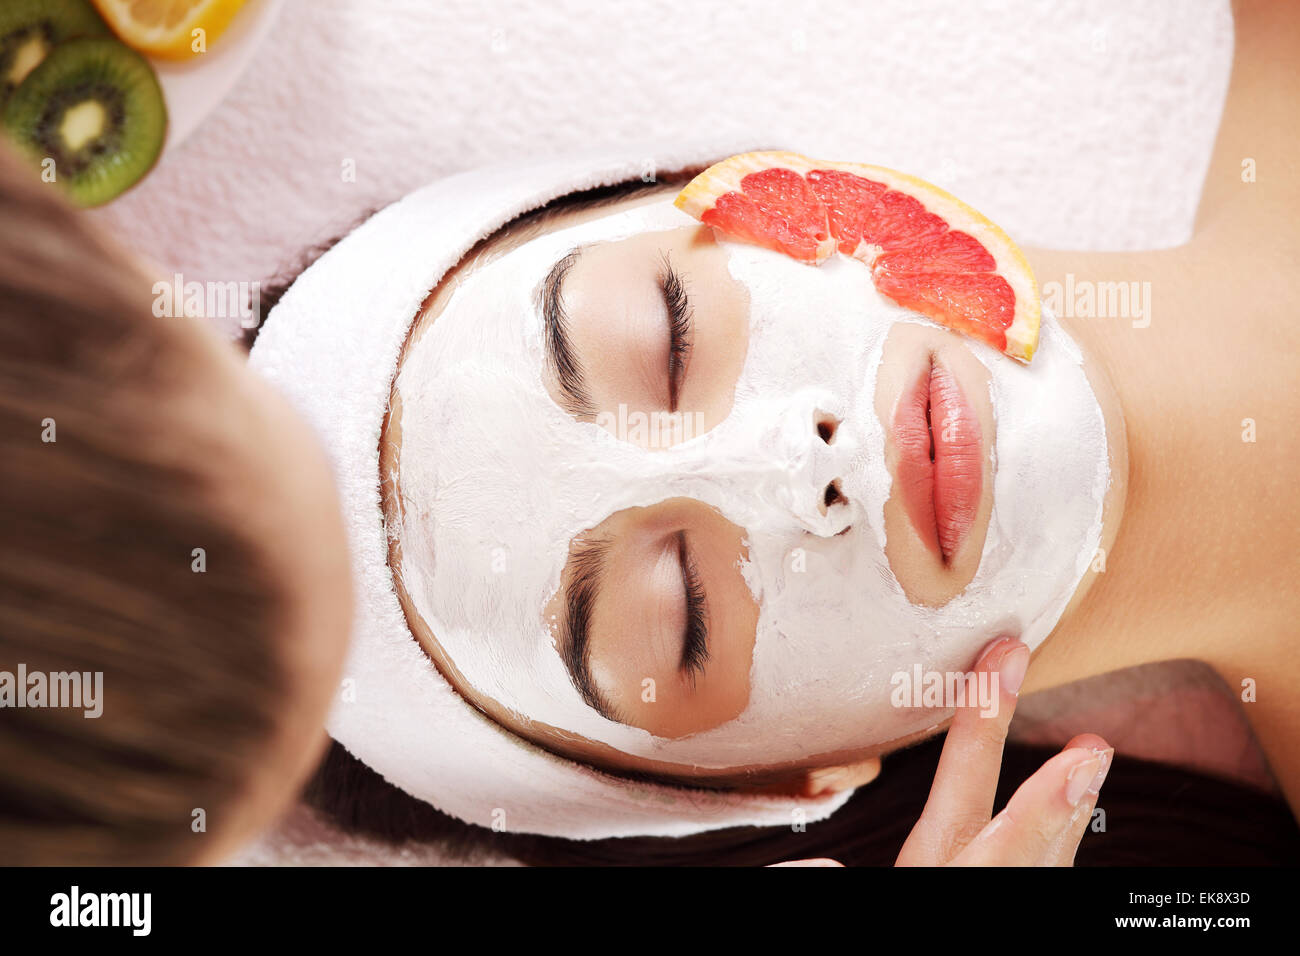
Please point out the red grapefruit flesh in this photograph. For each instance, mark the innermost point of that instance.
(927, 250)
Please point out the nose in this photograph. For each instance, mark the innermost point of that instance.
(828, 427)
(792, 456)
(782, 465)
(817, 449)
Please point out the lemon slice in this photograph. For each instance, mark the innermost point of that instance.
(166, 28)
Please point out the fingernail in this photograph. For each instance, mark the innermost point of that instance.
(994, 647)
(1014, 666)
(1080, 780)
(1104, 756)
(820, 861)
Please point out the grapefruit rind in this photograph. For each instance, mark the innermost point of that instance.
(702, 192)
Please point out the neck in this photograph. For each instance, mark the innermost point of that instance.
(1205, 562)
(1194, 570)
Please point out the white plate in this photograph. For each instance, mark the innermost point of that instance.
(193, 88)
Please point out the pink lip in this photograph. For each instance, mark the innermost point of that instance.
(941, 460)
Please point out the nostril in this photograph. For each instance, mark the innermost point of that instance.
(832, 495)
(827, 425)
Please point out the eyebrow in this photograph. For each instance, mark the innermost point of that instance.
(587, 574)
(564, 362)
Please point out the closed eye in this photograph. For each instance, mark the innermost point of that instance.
(695, 635)
(681, 330)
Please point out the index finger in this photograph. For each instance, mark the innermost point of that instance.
(966, 782)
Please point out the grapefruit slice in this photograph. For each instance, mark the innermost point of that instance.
(927, 250)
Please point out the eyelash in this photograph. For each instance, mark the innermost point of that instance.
(680, 328)
(695, 648)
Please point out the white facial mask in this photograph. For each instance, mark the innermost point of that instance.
(497, 480)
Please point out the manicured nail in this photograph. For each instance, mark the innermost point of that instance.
(1080, 780)
(1012, 671)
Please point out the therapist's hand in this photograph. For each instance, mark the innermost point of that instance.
(1045, 818)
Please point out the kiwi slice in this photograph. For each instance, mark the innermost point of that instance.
(94, 108)
(29, 29)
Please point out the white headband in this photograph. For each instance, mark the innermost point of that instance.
(332, 345)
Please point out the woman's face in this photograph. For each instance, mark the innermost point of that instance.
(664, 501)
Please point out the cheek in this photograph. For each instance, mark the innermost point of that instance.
(834, 631)
(721, 307)
(734, 613)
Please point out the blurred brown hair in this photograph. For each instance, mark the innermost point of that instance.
(97, 535)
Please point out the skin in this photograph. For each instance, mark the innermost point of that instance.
(647, 603)
(1205, 565)
(616, 311)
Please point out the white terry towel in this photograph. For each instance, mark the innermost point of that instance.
(1072, 124)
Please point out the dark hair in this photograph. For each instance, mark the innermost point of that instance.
(105, 492)
(1150, 814)
(1148, 809)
